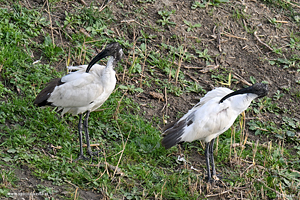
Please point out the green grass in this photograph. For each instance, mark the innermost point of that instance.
(46, 143)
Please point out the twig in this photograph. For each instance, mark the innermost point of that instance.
(236, 76)
(118, 106)
(292, 4)
(92, 145)
(143, 68)
(133, 54)
(186, 67)
(71, 183)
(166, 98)
(191, 77)
(269, 187)
(124, 145)
(131, 20)
(209, 68)
(50, 22)
(179, 65)
(246, 169)
(162, 189)
(262, 42)
(83, 2)
(213, 195)
(249, 143)
(233, 36)
(254, 152)
(75, 195)
(102, 7)
(283, 22)
(219, 40)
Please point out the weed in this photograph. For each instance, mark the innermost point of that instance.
(286, 63)
(179, 51)
(165, 15)
(205, 3)
(277, 95)
(203, 54)
(50, 50)
(191, 26)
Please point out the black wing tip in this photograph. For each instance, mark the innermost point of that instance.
(172, 133)
(42, 98)
(41, 103)
(168, 143)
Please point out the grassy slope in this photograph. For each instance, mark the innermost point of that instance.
(28, 134)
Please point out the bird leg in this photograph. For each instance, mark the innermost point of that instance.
(209, 179)
(211, 154)
(81, 156)
(85, 126)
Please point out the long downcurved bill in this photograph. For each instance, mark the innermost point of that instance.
(241, 91)
(101, 55)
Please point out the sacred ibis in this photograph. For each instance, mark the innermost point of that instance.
(213, 115)
(84, 90)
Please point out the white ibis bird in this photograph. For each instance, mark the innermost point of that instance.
(213, 115)
(84, 90)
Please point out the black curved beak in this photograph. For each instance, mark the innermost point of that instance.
(101, 55)
(260, 89)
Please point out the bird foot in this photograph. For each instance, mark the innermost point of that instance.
(93, 153)
(81, 157)
(214, 178)
(91, 156)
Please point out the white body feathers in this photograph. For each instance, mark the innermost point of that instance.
(83, 91)
(209, 118)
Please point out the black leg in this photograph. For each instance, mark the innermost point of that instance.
(209, 179)
(211, 154)
(86, 126)
(87, 137)
(81, 156)
(80, 134)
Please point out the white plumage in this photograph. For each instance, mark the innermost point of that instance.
(213, 115)
(84, 90)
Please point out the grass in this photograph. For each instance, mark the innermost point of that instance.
(45, 144)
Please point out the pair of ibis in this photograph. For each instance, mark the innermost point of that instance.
(86, 89)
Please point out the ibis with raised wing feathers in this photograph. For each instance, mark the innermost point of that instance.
(83, 90)
(213, 115)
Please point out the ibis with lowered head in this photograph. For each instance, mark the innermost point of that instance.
(83, 90)
(213, 115)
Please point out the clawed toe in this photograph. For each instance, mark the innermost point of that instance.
(214, 179)
(92, 155)
(81, 157)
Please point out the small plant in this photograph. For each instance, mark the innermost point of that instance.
(277, 95)
(285, 62)
(131, 88)
(275, 22)
(205, 3)
(179, 51)
(203, 54)
(146, 1)
(195, 87)
(197, 4)
(51, 50)
(165, 15)
(295, 41)
(191, 26)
